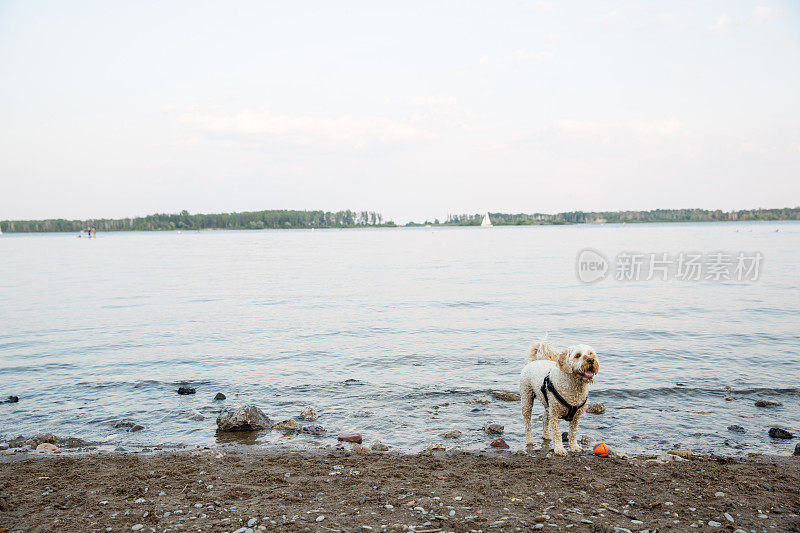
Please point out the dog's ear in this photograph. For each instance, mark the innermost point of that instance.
(561, 361)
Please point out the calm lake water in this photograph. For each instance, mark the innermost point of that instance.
(393, 332)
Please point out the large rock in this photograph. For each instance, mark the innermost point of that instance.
(797, 449)
(186, 390)
(499, 443)
(767, 403)
(246, 418)
(313, 430)
(779, 433)
(505, 396)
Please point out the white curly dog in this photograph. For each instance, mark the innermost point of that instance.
(560, 380)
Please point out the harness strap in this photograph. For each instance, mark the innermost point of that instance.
(572, 410)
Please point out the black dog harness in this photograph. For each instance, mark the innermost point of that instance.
(547, 385)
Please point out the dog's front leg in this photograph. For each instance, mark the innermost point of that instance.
(572, 435)
(558, 446)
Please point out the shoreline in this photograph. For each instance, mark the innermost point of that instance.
(225, 488)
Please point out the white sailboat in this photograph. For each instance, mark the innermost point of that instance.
(486, 223)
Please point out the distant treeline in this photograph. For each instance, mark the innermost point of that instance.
(279, 219)
(616, 217)
(274, 219)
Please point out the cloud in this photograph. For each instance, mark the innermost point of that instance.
(485, 60)
(528, 56)
(722, 26)
(308, 129)
(663, 128)
(762, 14)
(540, 6)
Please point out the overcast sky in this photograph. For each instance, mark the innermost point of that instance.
(413, 109)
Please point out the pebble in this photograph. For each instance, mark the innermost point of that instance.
(681, 453)
(12, 399)
(186, 390)
(714, 523)
(137, 427)
(320, 518)
(137, 527)
(389, 507)
(451, 434)
(47, 447)
(3, 445)
(309, 413)
(458, 498)
(538, 526)
(252, 522)
(493, 429)
(767, 403)
(350, 437)
(313, 430)
(220, 396)
(378, 446)
(779, 433)
(719, 494)
(737, 429)
(436, 447)
(452, 513)
(139, 500)
(499, 443)
(728, 517)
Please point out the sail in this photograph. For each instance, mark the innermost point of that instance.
(486, 223)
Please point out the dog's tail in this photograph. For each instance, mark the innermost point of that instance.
(539, 350)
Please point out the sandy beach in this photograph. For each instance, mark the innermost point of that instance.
(235, 488)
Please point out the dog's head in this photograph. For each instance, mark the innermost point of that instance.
(580, 360)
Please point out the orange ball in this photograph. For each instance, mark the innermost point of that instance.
(601, 449)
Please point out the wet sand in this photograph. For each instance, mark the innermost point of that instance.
(224, 488)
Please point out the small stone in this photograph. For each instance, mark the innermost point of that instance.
(586, 521)
(12, 399)
(309, 413)
(320, 518)
(779, 433)
(454, 434)
(458, 498)
(584, 440)
(313, 430)
(719, 494)
(349, 437)
(452, 512)
(186, 390)
(499, 443)
(288, 425)
(714, 523)
(767, 403)
(3, 445)
(252, 522)
(596, 408)
(542, 518)
(737, 429)
(796, 449)
(728, 517)
(47, 446)
(493, 429)
(506, 396)
(220, 396)
(360, 448)
(135, 428)
(124, 425)
(378, 446)
(245, 418)
(436, 447)
(137, 527)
